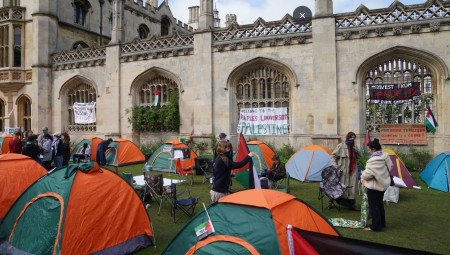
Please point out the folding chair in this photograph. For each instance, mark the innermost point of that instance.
(186, 174)
(208, 172)
(128, 177)
(282, 184)
(154, 185)
(331, 186)
(187, 206)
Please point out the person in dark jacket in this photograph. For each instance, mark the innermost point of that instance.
(31, 149)
(101, 149)
(223, 138)
(222, 171)
(58, 149)
(15, 145)
(277, 171)
(66, 148)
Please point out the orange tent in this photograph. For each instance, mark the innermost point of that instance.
(17, 173)
(250, 222)
(263, 155)
(77, 209)
(123, 152)
(4, 144)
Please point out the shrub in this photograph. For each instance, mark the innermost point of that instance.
(251, 138)
(363, 160)
(199, 147)
(285, 152)
(151, 147)
(416, 160)
(213, 143)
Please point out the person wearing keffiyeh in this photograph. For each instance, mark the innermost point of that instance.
(344, 157)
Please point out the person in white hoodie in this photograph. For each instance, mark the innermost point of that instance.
(377, 180)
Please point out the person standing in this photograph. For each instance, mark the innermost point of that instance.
(344, 157)
(222, 171)
(101, 149)
(66, 148)
(31, 149)
(58, 149)
(15, 145)
(26, 135)
(223, 138)
(377, 180)
(47, 152)
(41, 136)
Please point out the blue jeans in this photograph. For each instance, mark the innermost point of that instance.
(57, 161)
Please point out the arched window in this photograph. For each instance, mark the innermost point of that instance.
(2, 114)
(165, 26)
(156, 83)
(80, 93)
(4, 46)
(17, 46)
(269, 88)
(24, 112)
(13, 2)
(143, 31)
(80, 10)
(404, 71)
(81, 44)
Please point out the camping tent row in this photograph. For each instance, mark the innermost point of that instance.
(159, 161)
(68, 210)
(437, 173)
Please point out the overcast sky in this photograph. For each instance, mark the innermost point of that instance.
(248, 11)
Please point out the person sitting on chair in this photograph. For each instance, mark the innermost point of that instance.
(84, 153)
(277, 171)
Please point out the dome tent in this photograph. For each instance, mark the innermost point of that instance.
(399, 169)
(263, 154)
(123, 152)
(4, 144)
(437, 173)
(68, 211)
(159, 161)
(17, 173)
(92, 144)
(307, 164)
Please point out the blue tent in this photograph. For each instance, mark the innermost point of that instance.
(306, 165)
(436, 174)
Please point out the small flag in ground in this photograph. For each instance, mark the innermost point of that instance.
(205, 229)
(431, 121)
(157, 101)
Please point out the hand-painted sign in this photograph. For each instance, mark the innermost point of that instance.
(84, 113)
(263, 121)
(403, 134)
(394, 93)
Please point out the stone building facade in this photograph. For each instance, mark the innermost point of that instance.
(318, 70)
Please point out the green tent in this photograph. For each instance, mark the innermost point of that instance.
(92, 144)
(159, 161)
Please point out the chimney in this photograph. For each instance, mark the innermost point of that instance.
(194, 13)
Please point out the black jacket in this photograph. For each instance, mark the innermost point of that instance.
(58, 151)
(222, 173)
(31, 150)
(66, 150)
(228, 154)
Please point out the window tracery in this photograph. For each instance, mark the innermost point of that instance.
(165, 26)
(4, 46)
(80, 93)
(80, 9)
(24, 112)
(156, 83)
(143, 31)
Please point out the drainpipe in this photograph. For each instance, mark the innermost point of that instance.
(102, 2)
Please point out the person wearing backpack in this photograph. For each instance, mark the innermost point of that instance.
(58, 150)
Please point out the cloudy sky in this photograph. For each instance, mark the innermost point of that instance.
(248, 11)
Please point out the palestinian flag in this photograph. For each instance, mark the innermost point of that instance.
(242, 152)
(157, 101)
(430, 121)
(373, 87)
(204, 230)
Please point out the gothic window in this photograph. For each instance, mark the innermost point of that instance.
(80, 93)
(80, 43)
(80, 9)
(17, 46)
(13, 2)
(110, 23)
(4, 46)
(156, 83)
(24, 112)
(143, 31)
(2, 115)
(241, 92)
(404, 71)
(165, 26)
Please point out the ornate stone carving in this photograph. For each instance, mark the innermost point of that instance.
(175, 53)
(246, 45)
(259, 44)
(301, 39)
(363, 33)
(273, 42)
(232, 46)
(157, 43)
(154, 55)
(415, 29)
(135, 57)
(55, 68)
(435, 26)
(397, 30)
(16, 76)
(287, 41)
(185, 51)
(347, 35)
(379, 31)
(145, 56)
(91, 63)
(165, 54)
(4, 76)
(220, 47)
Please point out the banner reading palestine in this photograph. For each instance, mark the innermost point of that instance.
(394, 93)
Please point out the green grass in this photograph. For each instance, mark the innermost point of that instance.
(419, 221)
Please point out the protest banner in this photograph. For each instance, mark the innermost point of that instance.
(84, 113)
(403, 134)
(10, 131)
(394, 93)
(263, 121)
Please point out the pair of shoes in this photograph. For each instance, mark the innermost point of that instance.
(368, 229)
(329, 204)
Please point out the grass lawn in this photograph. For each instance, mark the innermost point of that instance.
(419, 221)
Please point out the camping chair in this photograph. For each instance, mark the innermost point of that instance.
(281, 184)
(128, 177)
(208, 172)
(184, 174)
(187, 206)
(154, 185)
(331, 186)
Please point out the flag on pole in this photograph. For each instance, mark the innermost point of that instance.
(157, 101)
(190, 137)
(242, 152)
(431, 121)
(366, 142)
(205, 229)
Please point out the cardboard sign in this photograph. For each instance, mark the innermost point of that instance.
(263, 121)
(412, 134)
(394, 93)
(10, 131)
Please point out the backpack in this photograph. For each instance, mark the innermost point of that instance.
(265, 182)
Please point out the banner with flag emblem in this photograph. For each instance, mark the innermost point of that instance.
(206, 228)
(157, 101)
(248, 171)
(430, 121)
